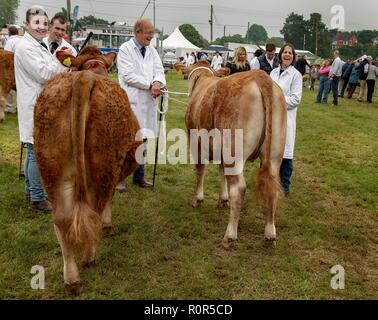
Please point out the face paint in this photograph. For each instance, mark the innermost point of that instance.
(38, 26)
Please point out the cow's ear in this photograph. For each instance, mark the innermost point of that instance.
(109, 59)
(66, 59)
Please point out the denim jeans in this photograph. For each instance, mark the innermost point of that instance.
(335, 88)
(286, 171)
(323, 90)
(138, 175)
(33, 184)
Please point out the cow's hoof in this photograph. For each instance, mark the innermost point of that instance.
(228, 243)
(74, 288)
(108, 231)
(223, 204)
(197, 202)
(89, 264)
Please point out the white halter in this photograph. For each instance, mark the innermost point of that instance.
(206, 68)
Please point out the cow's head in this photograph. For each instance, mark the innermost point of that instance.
(90, 58)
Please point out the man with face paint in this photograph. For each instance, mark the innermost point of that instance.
(55, 40)
(34, 66)
(141, 75)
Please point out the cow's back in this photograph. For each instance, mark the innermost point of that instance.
(7, 80)
(110, 132)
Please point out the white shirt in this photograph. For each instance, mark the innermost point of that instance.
(62, 44)
(12, 42)
(135, 75)
(291, 83)
(34, 66)
(216, 63)
(255, 64)
(337, 67)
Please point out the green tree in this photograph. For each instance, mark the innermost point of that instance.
(238, 38)
(92, 21)
(367, 36)
(318, 39)
(277, 41)
(192, 35)
(8, 10)
(295, 30)
(257, 34)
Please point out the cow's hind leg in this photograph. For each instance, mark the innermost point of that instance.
(106, 217)
(198, 198)
(270, 191)
(237, 189)
(223, 195)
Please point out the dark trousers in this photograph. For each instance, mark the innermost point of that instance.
(370, 89)
(335, 89)
(138, 175)
(344, 87)
(286, 171)
(351, 88)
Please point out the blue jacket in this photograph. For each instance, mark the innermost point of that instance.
(354, 76)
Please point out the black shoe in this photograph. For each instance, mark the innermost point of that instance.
(40, 206)
(286, 193)
(143, 184)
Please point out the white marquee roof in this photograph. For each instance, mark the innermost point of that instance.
(177, 40)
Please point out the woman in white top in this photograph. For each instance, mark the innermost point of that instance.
(290, 81)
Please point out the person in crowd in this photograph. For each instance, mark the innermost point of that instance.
(370, 80)
(141, 75)
(194, 58)
(256, 55)
(204, 57)
(34, 66)
(216, 62)
(301, 65)
(239, 62)
(268, 61)
(55, 41)
(335, 75)
(353, 80)
(290, 81)
(347, 71)
(324, 82)
(364, 69)
(11, 45)
(314, 75)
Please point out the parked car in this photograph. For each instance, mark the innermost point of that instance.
(169, 59)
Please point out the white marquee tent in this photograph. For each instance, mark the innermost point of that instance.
(178, 43)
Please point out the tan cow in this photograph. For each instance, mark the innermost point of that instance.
(7, 80)
(84, 134)
(249, 101)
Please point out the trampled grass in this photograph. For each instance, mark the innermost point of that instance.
(165, 249)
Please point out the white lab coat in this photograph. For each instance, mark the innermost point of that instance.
(136, 74)
(63, 44)
(12, 42)
(216, 63)
(34, 66)
(291, 83)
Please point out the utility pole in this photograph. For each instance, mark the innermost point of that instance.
(154, 14)
(248, 33)
(69, 29)
(316, 37)
(211, 23)
(224, 31)
(304, 41)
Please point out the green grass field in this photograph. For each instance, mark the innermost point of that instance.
(165, 249)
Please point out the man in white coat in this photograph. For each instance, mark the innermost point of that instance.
(216, 62)
(291, 82)
(34, 66)
(55, 41)
(141, 75)
(11, 45)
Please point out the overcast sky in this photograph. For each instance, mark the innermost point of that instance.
(234, 14)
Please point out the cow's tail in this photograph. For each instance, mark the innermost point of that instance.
(269, 188)
(85, 226)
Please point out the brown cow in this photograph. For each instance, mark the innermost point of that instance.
(249, 101)
(7, 80)
(84, 134)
